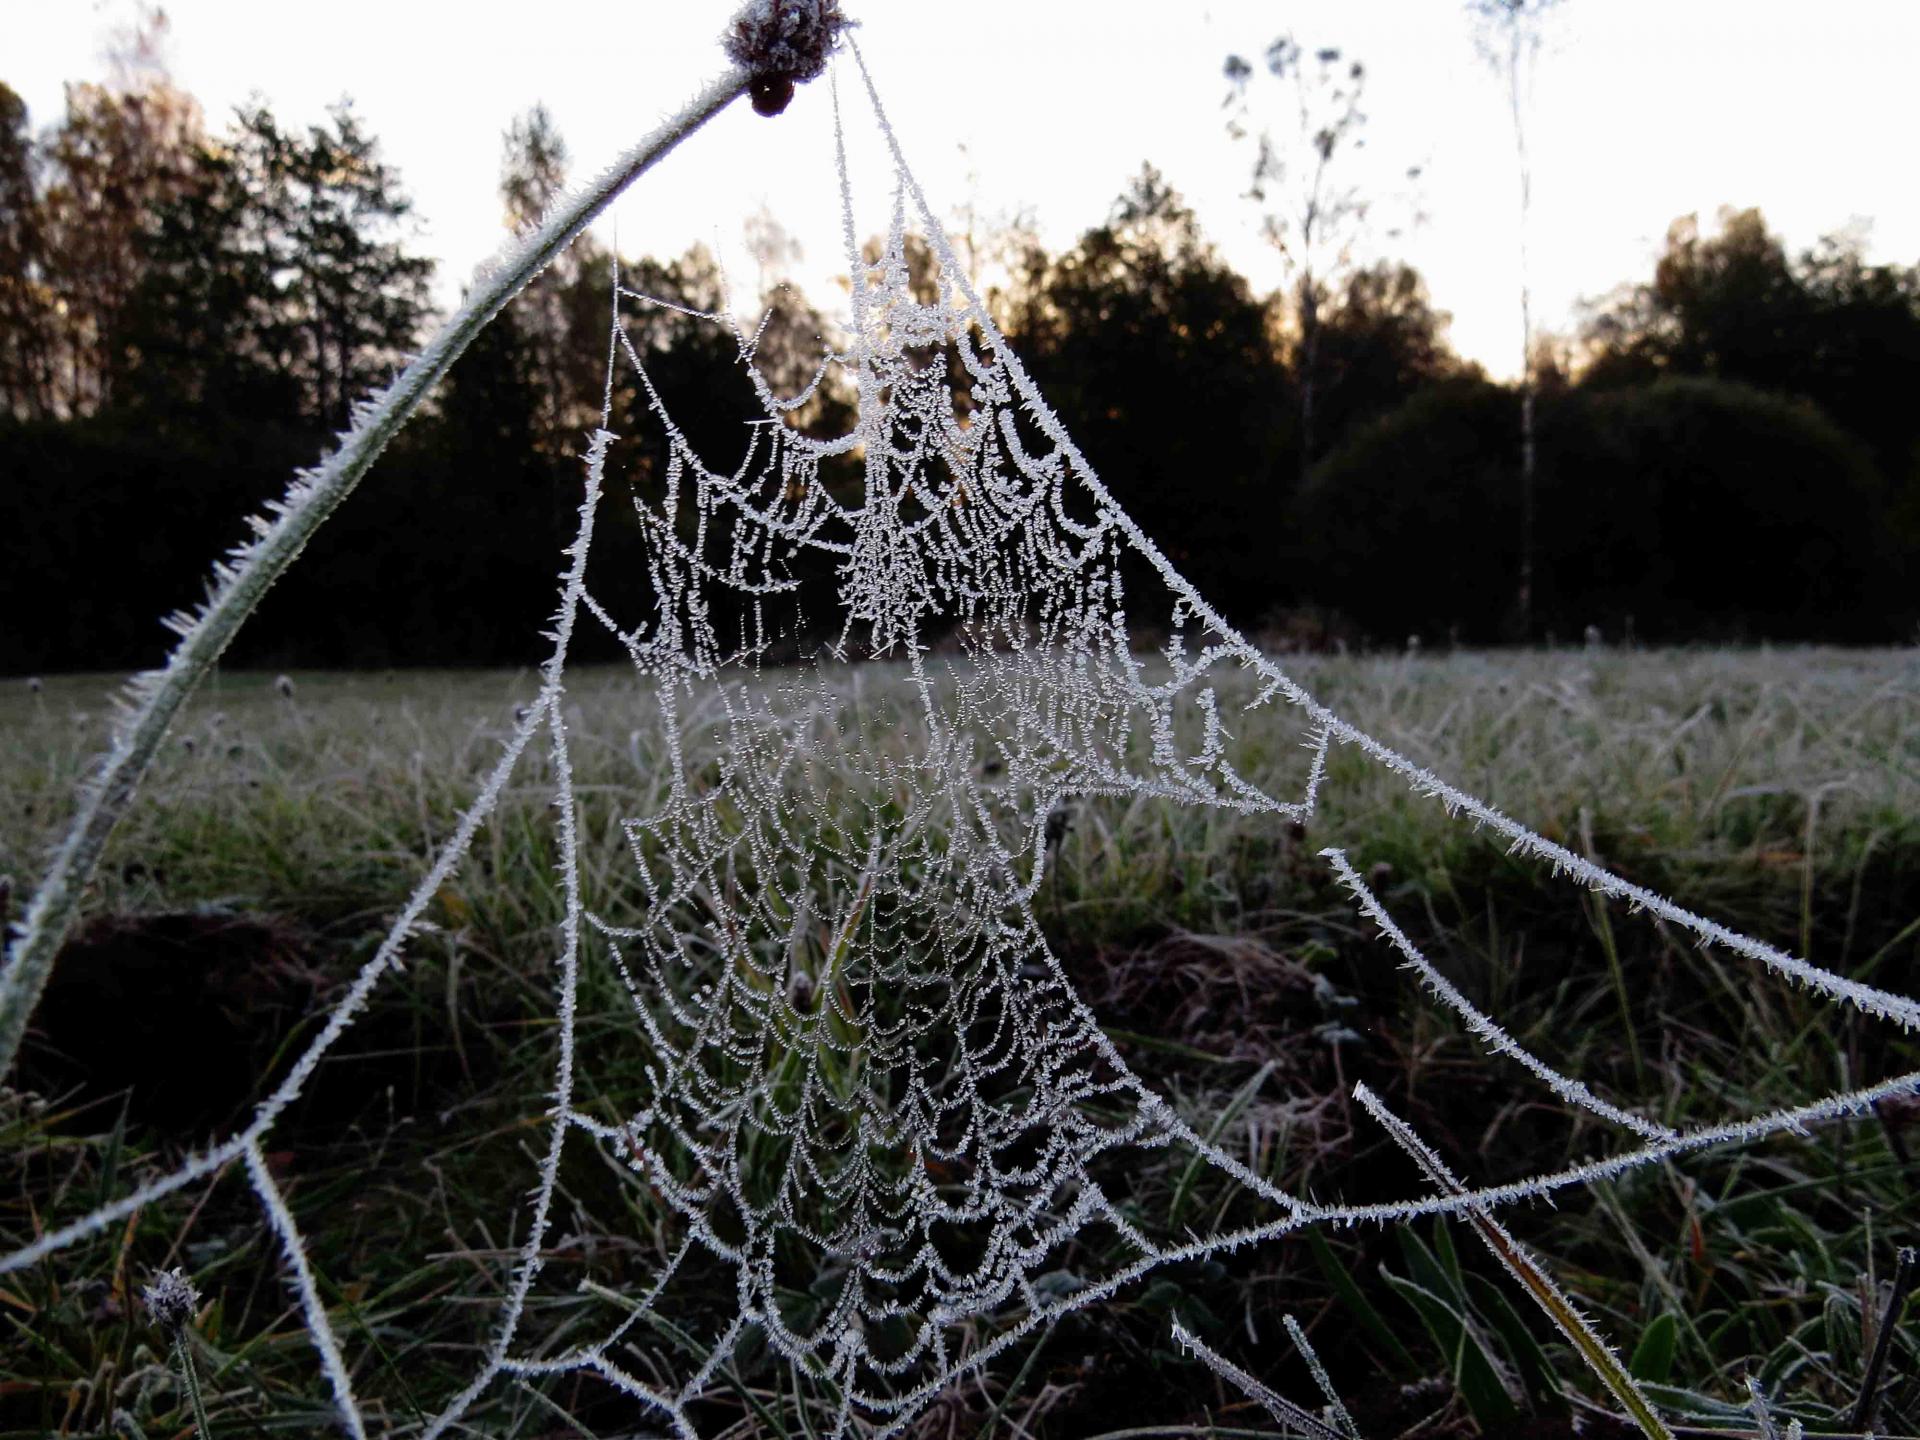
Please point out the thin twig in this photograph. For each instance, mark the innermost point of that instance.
(1903, 1277)
(1283, 1410)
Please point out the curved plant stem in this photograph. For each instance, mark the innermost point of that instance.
(190, 1378)
(243, 578)
(1903, 1278)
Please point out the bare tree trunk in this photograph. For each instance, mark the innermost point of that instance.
(1515, 60)
(1309, 367)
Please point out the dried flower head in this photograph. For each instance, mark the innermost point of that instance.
(170, 1299)
(780, 42)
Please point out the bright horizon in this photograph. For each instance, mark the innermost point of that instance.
(1643, 110)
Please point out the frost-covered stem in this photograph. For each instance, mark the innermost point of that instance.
(1336, 1407)
(1761, 1411)
(1903, 1278)
(242, 579)
(1283, 1410)
(1586, 1341)
(190, 1381)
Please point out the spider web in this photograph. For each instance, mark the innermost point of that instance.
(876, 1111)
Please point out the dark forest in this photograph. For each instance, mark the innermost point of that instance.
(1727, 449)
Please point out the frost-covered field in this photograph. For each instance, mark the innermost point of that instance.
(1776, 791)
(1707, 758)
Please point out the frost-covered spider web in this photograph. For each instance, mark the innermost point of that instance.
(875, 1112)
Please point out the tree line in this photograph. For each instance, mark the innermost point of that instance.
(1725, 450)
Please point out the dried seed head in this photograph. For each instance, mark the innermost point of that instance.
(170, 1299)
(779, 42)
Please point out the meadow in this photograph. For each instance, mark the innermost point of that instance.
(1777, 791)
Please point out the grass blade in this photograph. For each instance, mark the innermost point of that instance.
(1524, 1268)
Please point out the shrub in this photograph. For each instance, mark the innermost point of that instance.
(1691, 509)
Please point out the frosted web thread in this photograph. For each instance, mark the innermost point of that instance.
(868, 1076)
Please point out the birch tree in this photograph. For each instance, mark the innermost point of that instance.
(1314, 209)
(1508, 35)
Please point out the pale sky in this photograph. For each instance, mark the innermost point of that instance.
(1642, 110)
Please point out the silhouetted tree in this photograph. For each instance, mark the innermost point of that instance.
(451, 556)
(1414, 517)
(1166, 369)
(1727, 305)
(1314, 211)
(115, 159)
(1693, 509)
(272, 280)
(26, 311)
(1825, 325)
(330, 215)
(554, 312)
(1381, 340)
(203, 331)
